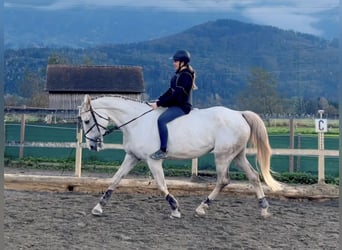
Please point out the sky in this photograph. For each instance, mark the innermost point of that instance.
(298, 15)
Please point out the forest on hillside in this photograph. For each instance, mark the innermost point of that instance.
(237, 65)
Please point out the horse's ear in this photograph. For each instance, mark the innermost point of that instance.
(86, 101)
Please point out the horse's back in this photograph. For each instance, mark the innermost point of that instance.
(217, 116)
(204, 130)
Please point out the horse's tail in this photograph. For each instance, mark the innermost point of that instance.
(259, 140)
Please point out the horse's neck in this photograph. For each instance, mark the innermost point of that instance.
(119, 109)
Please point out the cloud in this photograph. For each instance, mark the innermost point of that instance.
(288, 20)
(175, 5)
(285, 14)
(291, 15)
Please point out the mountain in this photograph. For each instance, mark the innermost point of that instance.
(84, 27)
(223, 53)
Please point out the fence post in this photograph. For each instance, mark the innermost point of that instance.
(78, 160)
(299, 146)
(22, 135)
(194, 167)
(321, 179)
(291, 157)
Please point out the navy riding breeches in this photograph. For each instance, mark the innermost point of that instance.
(169, 114)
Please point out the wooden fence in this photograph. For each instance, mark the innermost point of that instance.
(79, 145)
(320, 152)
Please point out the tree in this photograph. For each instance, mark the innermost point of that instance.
(328, 108)
(39, 100)
(30, 84)
(260, 95)
(32, 89)
(57, 59)
(13, 100)
(87, 60)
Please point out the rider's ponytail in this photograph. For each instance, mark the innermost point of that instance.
(193, 74)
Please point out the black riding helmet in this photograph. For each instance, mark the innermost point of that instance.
(182, 56)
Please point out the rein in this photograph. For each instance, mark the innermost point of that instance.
(109, 130)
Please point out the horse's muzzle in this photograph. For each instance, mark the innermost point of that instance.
(95, 145)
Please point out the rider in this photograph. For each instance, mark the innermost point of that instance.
(176, 98)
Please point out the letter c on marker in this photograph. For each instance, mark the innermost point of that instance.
(321, 125)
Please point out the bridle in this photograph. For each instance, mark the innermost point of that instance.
(96, 125)
(107, 130)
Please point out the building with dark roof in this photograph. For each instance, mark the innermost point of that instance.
(67, 84)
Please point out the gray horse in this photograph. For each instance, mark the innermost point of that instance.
(219, 130)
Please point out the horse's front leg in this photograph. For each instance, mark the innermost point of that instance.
(127, 165)
(158, 174)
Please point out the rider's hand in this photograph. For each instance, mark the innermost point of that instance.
(154, 105)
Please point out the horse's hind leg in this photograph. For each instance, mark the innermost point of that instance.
(222, 162)
(158, 174)
(127, 165)
(253, 177)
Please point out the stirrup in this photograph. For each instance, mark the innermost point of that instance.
(158, 155)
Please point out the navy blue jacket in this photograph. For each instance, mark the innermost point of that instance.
(178, 93)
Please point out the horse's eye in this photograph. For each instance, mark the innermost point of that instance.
(86, 122)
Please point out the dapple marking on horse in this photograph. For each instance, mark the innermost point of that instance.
(219, 130)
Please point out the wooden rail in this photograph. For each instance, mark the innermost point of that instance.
(79, 145)
(194, 168)
(250, 151)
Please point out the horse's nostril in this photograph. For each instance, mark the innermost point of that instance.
(93, 148)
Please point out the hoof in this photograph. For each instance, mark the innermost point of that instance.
(97, 210)
(201, 209)
(265, 213)
(175, 214)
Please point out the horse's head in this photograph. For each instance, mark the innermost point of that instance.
(94, 124)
